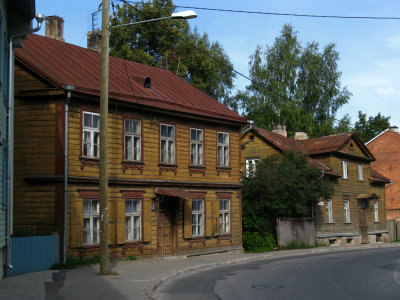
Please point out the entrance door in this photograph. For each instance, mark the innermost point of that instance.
(166, 228)
(363, 217)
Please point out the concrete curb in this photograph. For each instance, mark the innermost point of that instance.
(285, 253)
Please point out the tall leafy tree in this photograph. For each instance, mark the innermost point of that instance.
(298, 86)
(172, 45)
(371, 127)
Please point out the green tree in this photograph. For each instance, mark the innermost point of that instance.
(293, 85)
(282, 186)
(172, 45)
(371, 127)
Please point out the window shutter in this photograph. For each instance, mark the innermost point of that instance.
(187, 223)
(111, 223)
(209, 218)
(216, 216)
(120, 222)
(76, 224)
(147, 220)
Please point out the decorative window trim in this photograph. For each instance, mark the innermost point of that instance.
(225, 163)
(223, 170)
(91, 162)
(198, 159)
(94, 220)
(167, 167)
(197, 170)
(167, 141)
(347, 215)
(91, 153)
(133, 136)
(132, 216)
(135, 165)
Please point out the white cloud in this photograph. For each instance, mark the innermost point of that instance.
(386, 92)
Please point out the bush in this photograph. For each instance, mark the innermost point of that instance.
(73, 262)
(254, 242)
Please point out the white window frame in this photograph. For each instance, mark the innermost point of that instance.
(197, 217)
(251, 165)
(223, 149)
(376, 211)
(346, 205)
(329, 211)
(91, 145)
(133, 220)
(345, 169)
(196, 146)
(91, 216)
(360, 172)
(132, 140)
(167, 144)
(224, 216)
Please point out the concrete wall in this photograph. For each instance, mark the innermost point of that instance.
(393, 227)
(301, 230)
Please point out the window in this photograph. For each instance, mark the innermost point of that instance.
(167, 143)
(91, 135)
(224, 216)
(223, 149)
(196, 146)
(360, 172)
(376, 212)
(91, 222)
(132, 140)
(197, 217)
(344, 169)
(329, 211)
(346, 211)
(251, 164)
(133, 219)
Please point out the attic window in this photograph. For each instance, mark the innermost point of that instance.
(351, 146)
(251, 138)
(147, 83)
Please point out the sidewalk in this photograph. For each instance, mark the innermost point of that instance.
(133, 279)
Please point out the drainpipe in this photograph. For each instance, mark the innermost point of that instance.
(10, 177)
(68, 89)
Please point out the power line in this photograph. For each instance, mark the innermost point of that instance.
(281, 14)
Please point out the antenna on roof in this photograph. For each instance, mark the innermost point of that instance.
(95, 18)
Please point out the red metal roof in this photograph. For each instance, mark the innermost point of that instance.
(378, 178)
(63, 63)
(326, 144)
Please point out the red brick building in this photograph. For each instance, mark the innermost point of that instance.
(385, 147)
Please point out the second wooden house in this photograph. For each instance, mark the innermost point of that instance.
(174, 156)
(356, 211)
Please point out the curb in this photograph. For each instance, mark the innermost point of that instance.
(153, 287)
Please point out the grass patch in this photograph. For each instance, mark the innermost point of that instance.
(73, 262)
(396, 241)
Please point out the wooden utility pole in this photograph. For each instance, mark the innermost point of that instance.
(105, 33)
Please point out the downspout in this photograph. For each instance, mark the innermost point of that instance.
(68, 89)
(10, 177)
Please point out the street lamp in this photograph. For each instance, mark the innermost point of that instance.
(103, 176)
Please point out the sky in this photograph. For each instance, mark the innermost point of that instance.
(369, 50)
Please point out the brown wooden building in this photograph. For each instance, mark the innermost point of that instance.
(356, 211)
(174, 156)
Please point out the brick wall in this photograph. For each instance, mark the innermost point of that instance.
(386, 150)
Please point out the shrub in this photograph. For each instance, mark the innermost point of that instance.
(254, 242)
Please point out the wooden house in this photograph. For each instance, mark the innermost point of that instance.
(356, 211)
(174, 156)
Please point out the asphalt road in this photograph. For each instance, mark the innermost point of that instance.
(361, 274)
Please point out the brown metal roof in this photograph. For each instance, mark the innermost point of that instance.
(378, 178)
(62, 63)
(326, 144)
(172, 192)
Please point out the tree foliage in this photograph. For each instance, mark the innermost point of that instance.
(281, 187)
(172, 45)
(293, 85)
(366, 128)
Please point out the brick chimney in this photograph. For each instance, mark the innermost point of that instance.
(300, 135)
(94, 40)
(280, 129)
(55, 28)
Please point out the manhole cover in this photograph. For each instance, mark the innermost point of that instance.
(267, 286)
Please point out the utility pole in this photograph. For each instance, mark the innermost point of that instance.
(105, 33)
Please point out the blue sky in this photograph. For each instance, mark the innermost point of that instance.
(369, 50)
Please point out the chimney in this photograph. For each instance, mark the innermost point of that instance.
(280, 129)
(94, 40)
(300, 135)
(394, 128)
(55, 27)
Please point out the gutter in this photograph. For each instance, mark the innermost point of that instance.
(10, 173)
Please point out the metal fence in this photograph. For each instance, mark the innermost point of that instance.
(33, 253)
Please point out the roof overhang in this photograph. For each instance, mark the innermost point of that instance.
(368, 196)
(172, 192)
